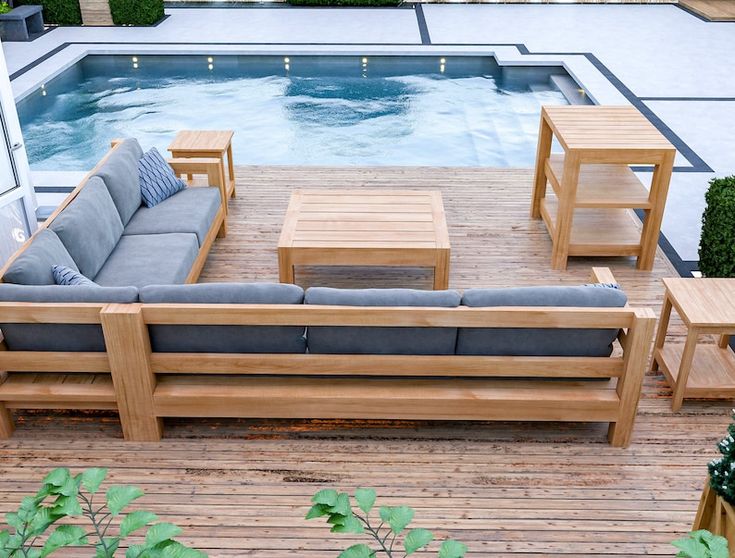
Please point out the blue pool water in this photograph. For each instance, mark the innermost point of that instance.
(346, 110)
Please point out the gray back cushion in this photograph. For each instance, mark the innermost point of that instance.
(59, 337)
(225, 339)
(539, 341)
(120, 174)
(34, 265)
(381, 340)
(89, 227)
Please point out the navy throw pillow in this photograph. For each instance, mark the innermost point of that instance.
(64, 275)
(157, 179)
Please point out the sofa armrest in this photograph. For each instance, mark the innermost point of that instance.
(602, 275)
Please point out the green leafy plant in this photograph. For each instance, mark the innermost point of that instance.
(717, 244)
(702, 544)
(4, 8)
(722, 469)
(64, 496)
(136, 12)
(58, 12)
(393, 522)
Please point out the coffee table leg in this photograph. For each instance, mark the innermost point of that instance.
(663, 326)
(441, 270)
(285, 266)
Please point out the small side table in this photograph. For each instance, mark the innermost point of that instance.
(594, 187)
(208, 143)
(707, 306)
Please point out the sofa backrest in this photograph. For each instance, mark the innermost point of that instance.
(225, 339)
(120, 173)
(59, 337)
(33, 265)
(537, 341)
(89, 227)
(381, 340)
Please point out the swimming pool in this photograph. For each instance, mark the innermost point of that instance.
(295, 110)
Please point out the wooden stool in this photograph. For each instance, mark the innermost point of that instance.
(208, 143)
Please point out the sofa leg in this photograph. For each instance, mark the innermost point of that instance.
(222, 232)
(6, 422)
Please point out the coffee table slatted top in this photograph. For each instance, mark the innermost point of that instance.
(365, 219)
(365, 227)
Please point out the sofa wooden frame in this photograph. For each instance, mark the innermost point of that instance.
(148, 386)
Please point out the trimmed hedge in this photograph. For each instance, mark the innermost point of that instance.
(57, 12)
(344, 2)
(717, 245)
(136, 12)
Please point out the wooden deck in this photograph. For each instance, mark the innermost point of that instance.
(241, 488)
(711, 10)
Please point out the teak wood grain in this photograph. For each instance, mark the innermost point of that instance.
(344, 227)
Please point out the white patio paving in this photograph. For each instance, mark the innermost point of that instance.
(678, 65)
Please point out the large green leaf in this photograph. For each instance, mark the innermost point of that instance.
(12, 519)
(399, 518)
(350, 524)
(4, 537)
(365, 498)
(111, 545)
(136, 520)
(416, 539)
(134, 551)
(67, 505)
(318, 510)
(342, 505)
(385, 513)
(93, 478)
(120, 496)
(43, 520)
(358, 551)
(161, 532)
(64, 535)
(327, 497)
(452, 549)
(178, 550)
(57, 477)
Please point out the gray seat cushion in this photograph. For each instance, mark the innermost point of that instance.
(149, 259)
(34, 265)
(120, 174)
(89, 227)
(226, 339)
(539, 341)
(190, 211)
(59, 337)
(381, 340)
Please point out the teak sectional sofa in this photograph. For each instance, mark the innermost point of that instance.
(150, 346)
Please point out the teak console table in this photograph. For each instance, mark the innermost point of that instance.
(593, 186)
(404, 228)
(706, 306)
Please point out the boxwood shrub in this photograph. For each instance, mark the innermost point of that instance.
(344, 2)
(136, 12)
(717, 245)
(57, 12)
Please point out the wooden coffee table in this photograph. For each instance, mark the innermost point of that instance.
(405, 228)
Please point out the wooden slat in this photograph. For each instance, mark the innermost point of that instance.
(52, 361)
(396, 399)
(55, 391)
(391, 365)
(304, 315)
(50, 312)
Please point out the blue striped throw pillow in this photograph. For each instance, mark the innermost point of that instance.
(64, 275)
(157, 179)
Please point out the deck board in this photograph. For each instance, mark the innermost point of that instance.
(241, 487)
